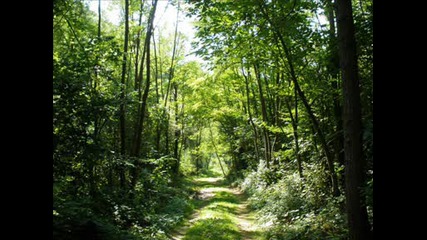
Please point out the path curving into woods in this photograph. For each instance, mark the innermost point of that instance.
(222, 213)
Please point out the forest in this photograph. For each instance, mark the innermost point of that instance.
(255, 124)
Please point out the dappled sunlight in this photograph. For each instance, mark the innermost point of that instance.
(222, 214)
(212, 119)
(211, 180)
(213, 228)
(224, 207)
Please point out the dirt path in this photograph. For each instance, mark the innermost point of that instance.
(222, 213)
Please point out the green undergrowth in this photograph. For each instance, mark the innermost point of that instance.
(159, 206)
(294, 208)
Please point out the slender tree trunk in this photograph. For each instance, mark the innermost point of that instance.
(156, 70)
(182, 125)
(143, 99)
(92, 160)
(143, 106)
(216, 151)
(268, 100)
(333, 69)
(172, 67)
(264, 117)
(170, 77)
(158, 130)
(299, 161)
(160, 66)
(354, 163)
(167, 151)
(294, 121)
(122, 97)
(99, 19)
(198, 142)
(138, 46)
(250, 114)
(176, 140)
(315, 122)
(277, 105)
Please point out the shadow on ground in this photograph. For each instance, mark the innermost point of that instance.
(213, 228)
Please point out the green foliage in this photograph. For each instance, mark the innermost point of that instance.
(216, 116)
(160, 205)
(292, 209)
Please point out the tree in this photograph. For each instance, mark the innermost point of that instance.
(143, 99)
(352, 124)
(123, 94)
(290, 61)
(265, 112)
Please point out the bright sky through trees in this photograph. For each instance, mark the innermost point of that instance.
(165, 19)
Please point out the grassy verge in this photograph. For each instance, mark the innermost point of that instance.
(220, 213)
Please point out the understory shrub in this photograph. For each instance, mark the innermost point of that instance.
(295, 208)
(158, 203)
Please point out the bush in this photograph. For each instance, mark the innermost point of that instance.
(287, 210)
(159, 202)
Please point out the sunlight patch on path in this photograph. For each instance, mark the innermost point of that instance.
(223, 214)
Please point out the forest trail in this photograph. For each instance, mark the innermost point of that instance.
(222, 213)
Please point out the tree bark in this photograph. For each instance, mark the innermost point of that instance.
(143, 106)
(177, 131)
(99, 19)
(267, 148)
(170, 77)
(250, 113)
(216, 152)
(172, 67)
(156, 77)
(354, 163)
(333, 69)
(138, 45)
(143, 100)
(294, 121)
(122, 97)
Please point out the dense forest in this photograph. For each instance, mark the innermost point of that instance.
(277, 102)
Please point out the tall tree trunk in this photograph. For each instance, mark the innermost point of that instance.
(143, 100)
(182, 125)
(277, 105)
(161, 66)
(250, 113)
(172, 66)
(158, 130)
(143, 105)
(255, 102)
(170, 77)
(122, 97)
(138, 46)
(92, 159)
(314, 121)
(358, 223)
(264, 117)
(167, 150)
(294, 121)
(176, 140)
(99, 19)
(216, 152)
(333, 69)
(299, 161)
